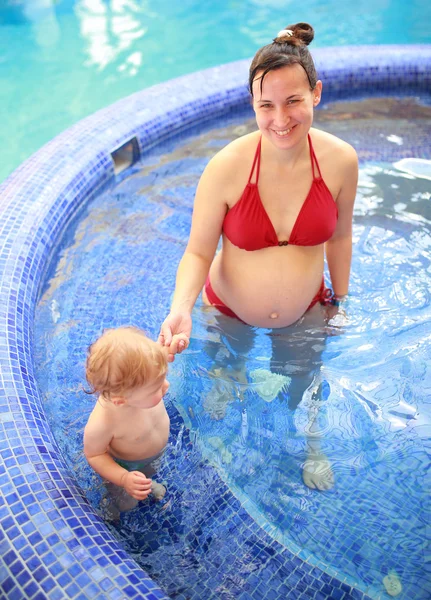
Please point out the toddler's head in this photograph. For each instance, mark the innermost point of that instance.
(125, 366)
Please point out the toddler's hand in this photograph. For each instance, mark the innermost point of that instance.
(137, 485)
(175, 333)
(179, 343)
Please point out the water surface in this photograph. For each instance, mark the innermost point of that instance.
(117, 266)
(61, 60)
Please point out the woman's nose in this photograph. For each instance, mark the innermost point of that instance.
(282, 116)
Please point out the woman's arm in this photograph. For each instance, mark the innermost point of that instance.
(339, 248)
(208, 214)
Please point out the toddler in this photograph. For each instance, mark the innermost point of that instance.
(128, 429)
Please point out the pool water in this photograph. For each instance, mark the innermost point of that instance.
(372, 366)
(61, 60)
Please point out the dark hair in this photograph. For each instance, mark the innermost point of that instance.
(288, 48)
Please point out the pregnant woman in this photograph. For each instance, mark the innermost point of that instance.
(281, 198)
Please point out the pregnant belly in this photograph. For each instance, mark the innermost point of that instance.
(261, 312)
(262, 296)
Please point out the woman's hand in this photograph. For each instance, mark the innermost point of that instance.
(331, 311)
(336, 319)
(175, 333)
(136, 485)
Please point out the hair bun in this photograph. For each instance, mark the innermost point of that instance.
(295, 35)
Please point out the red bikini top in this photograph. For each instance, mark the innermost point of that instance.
(248, 226)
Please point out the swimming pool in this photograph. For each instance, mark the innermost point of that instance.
(51, 539)
(373, 522)
(61, 60)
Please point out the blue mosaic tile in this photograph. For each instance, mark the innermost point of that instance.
(37, 201)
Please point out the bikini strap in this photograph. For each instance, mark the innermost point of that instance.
(256, 161)
(314, 160)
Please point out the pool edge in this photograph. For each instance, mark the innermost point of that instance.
(41, 509)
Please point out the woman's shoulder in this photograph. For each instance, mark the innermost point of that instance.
(338, 161)
(326, 144)
(236, 156)
(226, 174)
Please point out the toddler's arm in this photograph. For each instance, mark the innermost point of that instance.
(96, 443)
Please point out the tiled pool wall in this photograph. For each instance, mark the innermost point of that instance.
(52, 543)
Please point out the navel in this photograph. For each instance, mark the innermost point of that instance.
(273, 315)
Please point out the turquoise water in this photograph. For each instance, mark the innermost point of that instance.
(61, 60)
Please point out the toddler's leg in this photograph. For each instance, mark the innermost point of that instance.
(158, 490)
(118, 501)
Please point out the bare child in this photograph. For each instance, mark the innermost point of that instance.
(128, 429)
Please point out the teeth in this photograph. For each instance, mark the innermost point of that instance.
(284, 132)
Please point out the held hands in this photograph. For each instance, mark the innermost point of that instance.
(175, 333)
(136, 485)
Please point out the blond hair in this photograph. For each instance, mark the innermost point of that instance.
(123, 359)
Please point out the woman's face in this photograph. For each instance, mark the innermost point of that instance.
(284, 108)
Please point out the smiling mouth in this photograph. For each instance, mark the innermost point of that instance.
(282, 132)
